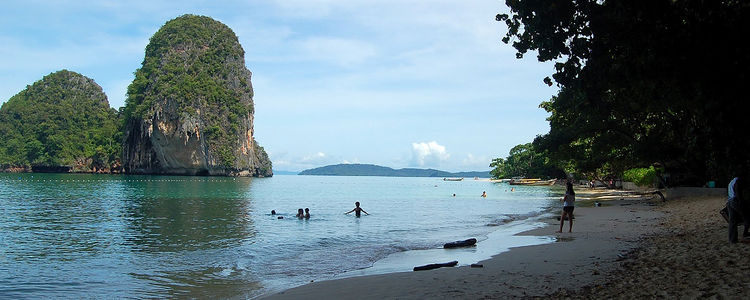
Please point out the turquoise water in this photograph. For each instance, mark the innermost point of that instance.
(119, 236)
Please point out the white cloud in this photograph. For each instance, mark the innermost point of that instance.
(428, 154)
(320, 156)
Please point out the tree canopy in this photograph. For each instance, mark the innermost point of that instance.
(63, 119)
(525, 161)
(642, 82)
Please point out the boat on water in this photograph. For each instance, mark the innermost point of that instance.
(532, 181)
(453, 179)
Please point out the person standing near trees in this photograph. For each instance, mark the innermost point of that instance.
(568, 205)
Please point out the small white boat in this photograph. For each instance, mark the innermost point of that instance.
(453, 179)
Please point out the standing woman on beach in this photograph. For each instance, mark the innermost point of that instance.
(568, 205)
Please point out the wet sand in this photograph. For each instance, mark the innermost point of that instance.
(633, 245)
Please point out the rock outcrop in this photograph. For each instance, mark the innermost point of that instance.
(190, 109)
(61, 123)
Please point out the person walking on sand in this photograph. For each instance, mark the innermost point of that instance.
(568, 205)
(736, 208)
(357, 210)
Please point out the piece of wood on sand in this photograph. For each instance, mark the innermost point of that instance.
(435, 266)
(465, 243)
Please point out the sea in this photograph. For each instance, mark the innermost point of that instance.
(126, 236)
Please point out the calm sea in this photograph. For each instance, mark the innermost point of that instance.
(118, 236)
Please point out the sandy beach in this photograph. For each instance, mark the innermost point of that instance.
(633, 245)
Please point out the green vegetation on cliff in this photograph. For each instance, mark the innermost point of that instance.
(189, 109)
(186, 62)
(62, 120)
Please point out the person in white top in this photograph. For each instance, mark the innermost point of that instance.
(568, 206)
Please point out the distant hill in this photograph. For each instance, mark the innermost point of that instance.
(276, 172)
(374, 170)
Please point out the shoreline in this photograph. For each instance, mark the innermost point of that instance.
(602, 236)
(493, 243)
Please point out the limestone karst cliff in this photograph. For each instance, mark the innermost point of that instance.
(190, 109)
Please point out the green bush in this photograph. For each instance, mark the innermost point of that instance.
(641, 176)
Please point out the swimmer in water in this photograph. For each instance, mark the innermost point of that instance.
(273, 212)
(484, 194)
(307, 213)
(356, 210)
(300, 214)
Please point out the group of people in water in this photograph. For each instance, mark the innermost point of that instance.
(305, 214)
(301, 214)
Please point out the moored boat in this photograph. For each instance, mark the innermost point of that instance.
(453, 179)
(534, 181)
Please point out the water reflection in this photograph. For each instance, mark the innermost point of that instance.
(165, 216)
(193, 229)
(47, 217)
(113, 236)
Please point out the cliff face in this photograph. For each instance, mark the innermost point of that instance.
(61, 123)
(190, 107)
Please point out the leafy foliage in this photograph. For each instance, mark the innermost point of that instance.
(526, 161)
(63, 119)
(642, 82)
(641, 176)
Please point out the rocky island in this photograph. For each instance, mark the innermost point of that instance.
(61, 123)
(189, 110)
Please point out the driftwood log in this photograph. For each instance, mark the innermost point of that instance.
(435, 266)
(464, 243)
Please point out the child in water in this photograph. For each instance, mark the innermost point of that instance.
(356, 210)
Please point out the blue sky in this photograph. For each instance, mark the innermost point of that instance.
(405, 83)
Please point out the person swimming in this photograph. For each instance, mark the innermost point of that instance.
(273, 212)
(307, 213)
(484, 194)
(356, 210)
(300, 214)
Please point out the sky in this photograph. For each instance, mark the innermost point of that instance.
(398, 83)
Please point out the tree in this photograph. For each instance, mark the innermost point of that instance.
(498, 168)
(642, 82)
(524, 160)
(61, 120)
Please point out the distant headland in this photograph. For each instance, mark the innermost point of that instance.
(375, 170)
